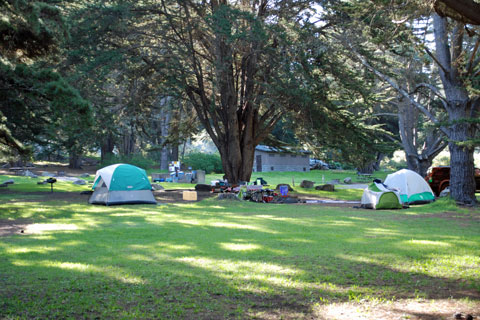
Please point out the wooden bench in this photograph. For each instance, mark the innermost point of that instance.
(17, 170)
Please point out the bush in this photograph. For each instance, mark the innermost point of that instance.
(394, 165)
(133, 159)
(203, 161)
(334, 165)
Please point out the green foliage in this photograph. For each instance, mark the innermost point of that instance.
(204, 161)
(30, 29)
(395, 165)
(138, 160)
(41, 107)
(37, 105)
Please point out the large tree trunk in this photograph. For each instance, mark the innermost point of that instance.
(236, 116)
(164, 132)
(75, 161)
(107, 147)
(174, 152)
(419, 165)
(237, 163)
(462, 172)
(127, 145)
(164, 158)
(460, 108)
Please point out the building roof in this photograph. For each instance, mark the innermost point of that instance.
(265, 148)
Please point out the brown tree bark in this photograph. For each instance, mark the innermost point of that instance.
(75, 161)
(460, 107)
(164, 117)
(465, 11)
(127, 144)
(233, 117)
(107, 147)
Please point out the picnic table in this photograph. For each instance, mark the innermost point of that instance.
(362, 176)
(18, 170)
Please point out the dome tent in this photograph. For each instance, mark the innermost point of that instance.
(121, 184)
(412, 187)
(377, 196)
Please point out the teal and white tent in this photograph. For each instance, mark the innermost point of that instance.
(121, 183)
(412, 187)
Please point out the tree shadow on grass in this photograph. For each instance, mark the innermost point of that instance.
(192, 263)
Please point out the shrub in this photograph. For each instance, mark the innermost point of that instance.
(395, 165)
(133, 159)
(203, 161)
(334, 165)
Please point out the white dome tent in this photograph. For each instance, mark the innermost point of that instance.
(412, 187)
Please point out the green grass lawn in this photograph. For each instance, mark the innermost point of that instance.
(294, 179)
(290, 177)
(27, 184)
(216, 259)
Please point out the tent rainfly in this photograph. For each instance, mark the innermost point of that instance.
(413, 188)
(121, 184)
(377, 196)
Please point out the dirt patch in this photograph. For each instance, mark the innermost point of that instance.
(9, 227)
(176, 196)
(423, 309)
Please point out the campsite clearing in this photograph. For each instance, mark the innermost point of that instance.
(230, 259)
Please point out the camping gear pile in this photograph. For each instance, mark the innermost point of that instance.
(402, 188)
(121, 184)
(261, 195)
(257, 193)
(220, 186)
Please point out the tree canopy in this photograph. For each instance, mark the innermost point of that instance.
(129, 76)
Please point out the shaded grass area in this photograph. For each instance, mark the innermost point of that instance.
(230, 259)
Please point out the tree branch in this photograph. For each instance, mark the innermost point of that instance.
(440, 65)
(433, 89)
(395, 86)
(465, 11)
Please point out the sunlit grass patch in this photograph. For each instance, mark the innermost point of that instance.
(213, 259)
(294, 178)
(338, 194)
(27, 184)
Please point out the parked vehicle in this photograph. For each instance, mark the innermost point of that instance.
(439, 179)
(318, 164)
